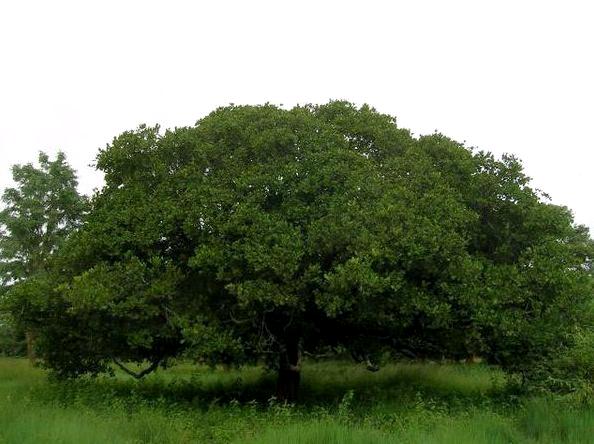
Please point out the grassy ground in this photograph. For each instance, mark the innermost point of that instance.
(340, 403)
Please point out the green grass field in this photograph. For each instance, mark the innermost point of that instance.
(340, 403)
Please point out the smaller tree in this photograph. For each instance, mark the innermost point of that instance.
(38, 215)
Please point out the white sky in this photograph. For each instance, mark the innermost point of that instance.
(505, 76)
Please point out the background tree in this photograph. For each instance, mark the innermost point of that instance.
(38, 214)
(259, 233)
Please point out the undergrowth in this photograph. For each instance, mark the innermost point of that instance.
(340, 402)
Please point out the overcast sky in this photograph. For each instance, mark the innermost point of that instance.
(504, 76)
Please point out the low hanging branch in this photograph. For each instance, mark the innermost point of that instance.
(365, 358)
(142, 373)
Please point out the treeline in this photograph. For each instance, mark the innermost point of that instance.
(259, 234)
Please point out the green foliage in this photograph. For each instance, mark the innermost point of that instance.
(11, 342)
(326, 226)
(38, 214)
(37, 217)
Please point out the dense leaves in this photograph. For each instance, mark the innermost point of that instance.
(260, 230)
(39, 213)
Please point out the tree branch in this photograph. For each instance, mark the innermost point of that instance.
(319, 355)
(138, 375)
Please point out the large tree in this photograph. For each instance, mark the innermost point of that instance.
(38, 214)
(260, 232)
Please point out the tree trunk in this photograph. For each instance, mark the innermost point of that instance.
(289, 372)
(30, 337)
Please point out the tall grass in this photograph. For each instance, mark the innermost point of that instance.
(340, 403)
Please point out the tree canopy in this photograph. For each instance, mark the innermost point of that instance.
(261, 232)
(39, 212)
